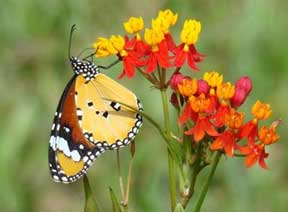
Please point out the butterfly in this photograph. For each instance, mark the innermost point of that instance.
(89, 120)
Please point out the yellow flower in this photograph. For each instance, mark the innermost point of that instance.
(225, 91)
(188, 87)
(261, 110)
(153, 37)
(164, 21)
(169, 16)
(190, 32)
(162, 24)
(213, 78)
(134, 25)
(118, 43)
(104, 47)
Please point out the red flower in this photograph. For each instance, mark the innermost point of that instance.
(221, 113)
(138, 46)
(160, 57)
(130, 61)
(187, 114)
(202, 126)
(227, 141)
(248, 130)
(183, 52)
(254, 153)
(169, 41)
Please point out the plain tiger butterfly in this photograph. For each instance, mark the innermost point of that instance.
(89, 120)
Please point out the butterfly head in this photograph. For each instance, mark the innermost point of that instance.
(86, 68)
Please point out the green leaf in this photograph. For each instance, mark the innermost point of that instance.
(90, 203)
(115, 203)
(179, 208)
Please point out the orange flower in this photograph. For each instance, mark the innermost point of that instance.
(199, 104)
(268, 135)
(234, 119)
(261, 110)
(202, 127)
(188, 87)
(225, 141)
(254, 153)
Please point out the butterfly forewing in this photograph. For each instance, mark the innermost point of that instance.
(104, 121)
(70, 153)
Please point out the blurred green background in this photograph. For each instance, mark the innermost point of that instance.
(247, 37)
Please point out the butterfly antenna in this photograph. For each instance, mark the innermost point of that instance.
(70, 40)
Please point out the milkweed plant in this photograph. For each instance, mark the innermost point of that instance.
(210, 121)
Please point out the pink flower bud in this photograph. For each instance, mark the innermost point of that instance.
(203, 87)
(244, 83)
(175, 80)
(238, 98)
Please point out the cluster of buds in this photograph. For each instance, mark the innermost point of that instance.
(156, 49)
(210, 106)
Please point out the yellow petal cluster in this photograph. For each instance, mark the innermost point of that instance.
(190, 32)
(164, 21)
(213, 78)
(118, 43)
(169, 16)
(134, 25)
(225, 91)
(106, 47)
(153, 37)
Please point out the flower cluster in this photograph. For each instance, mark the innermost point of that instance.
(210, 106)
(156, 49)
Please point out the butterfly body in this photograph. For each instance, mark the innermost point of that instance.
(90, 120)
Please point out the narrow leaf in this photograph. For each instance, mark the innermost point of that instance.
(90, 203)
(115, 203)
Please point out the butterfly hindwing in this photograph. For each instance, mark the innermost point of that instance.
(104, 121)
(70, 153)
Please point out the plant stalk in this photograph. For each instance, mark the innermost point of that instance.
(170, 158)
(207, 182)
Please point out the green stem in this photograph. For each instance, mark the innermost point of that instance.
(170, 158)
(121, 184)
(195, 172)
(166, 112)
(206, 184)
(172, 181)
